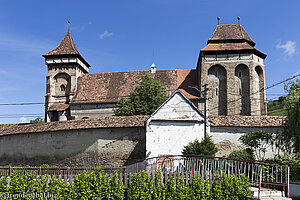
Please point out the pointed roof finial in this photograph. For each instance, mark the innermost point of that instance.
(238, 20)
(218, 18)
(69, 25)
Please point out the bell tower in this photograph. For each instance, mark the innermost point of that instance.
(65, 65)
(234, 71)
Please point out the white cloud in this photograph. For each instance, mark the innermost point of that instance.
(289, 47)
(23, 119)
(106, 34)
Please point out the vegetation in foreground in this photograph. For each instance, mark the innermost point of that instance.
(97, 185)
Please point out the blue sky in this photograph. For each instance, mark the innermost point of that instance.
(122, 35)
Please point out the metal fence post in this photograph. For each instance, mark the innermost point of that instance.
(288, 181)
(260, 178)
(219, 166)
(193, 166)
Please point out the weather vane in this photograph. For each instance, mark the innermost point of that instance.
(238, 20)
(218, 18)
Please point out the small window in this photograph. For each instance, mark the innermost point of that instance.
(216, 91)
(240, 91)
(240, 74)
(62, 88)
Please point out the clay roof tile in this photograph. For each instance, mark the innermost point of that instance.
(65, 47)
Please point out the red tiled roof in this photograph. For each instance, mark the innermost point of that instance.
(231, 38)
(58, 107)
(65, 47)
(230, 32)
(227, 46)
(111, 86)
(105, 122)
(247, 121)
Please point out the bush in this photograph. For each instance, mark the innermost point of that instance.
(231, 187)
(199, 189)
(96, 185)
(258, 141)
(242, 154)
(293, 159)
(205, 147)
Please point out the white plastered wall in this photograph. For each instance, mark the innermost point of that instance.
(176, 123)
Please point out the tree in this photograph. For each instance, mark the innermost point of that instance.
(258, 141)
(205, 147)
(144, 100)
(289, 140)
(37, 120)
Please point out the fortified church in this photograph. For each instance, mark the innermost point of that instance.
(81, 128)
(230, 64)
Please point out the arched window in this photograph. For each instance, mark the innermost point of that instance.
(242, 89)
(217, 82)
(62, 84)
(259, 92)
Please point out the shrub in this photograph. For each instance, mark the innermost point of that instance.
(231, 187)
(258, 141)
(199, 189)
(3, 185)
(205, 147)
(242, 154)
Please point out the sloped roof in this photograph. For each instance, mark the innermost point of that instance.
(65, 47)
(231, 38)
(111, 86)
(230, 33)
(58, 107)
(105, 122)
(247, 121)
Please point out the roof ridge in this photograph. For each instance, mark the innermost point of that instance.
(136, 71)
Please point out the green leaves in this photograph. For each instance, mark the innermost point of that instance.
(205, 147)
(228, 187)
(223, 187)
(242, 154)
(97, 185)
(258, 142)
(289, 140)
(144, 100)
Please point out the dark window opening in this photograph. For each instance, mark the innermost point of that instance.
(62, 88)
(240, 74)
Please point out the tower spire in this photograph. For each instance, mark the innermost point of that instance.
(69, 25)
(238, 20)
(218, 18)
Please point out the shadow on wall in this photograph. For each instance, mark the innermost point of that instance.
(91, 147)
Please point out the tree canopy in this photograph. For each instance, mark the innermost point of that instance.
(37, 120)
(144, 100)
(289, 140)
(257, 141)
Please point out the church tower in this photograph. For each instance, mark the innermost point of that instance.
(65, 65)
(234, 71)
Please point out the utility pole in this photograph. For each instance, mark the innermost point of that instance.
(205, 104)
(205, 108)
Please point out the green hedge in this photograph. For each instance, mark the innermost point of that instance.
(97, 185)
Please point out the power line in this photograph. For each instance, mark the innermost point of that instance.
(262, 89)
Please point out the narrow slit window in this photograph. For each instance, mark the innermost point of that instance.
(240, 74)
(62, 88)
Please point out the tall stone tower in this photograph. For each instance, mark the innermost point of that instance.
(234, 71)
(65, 65)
